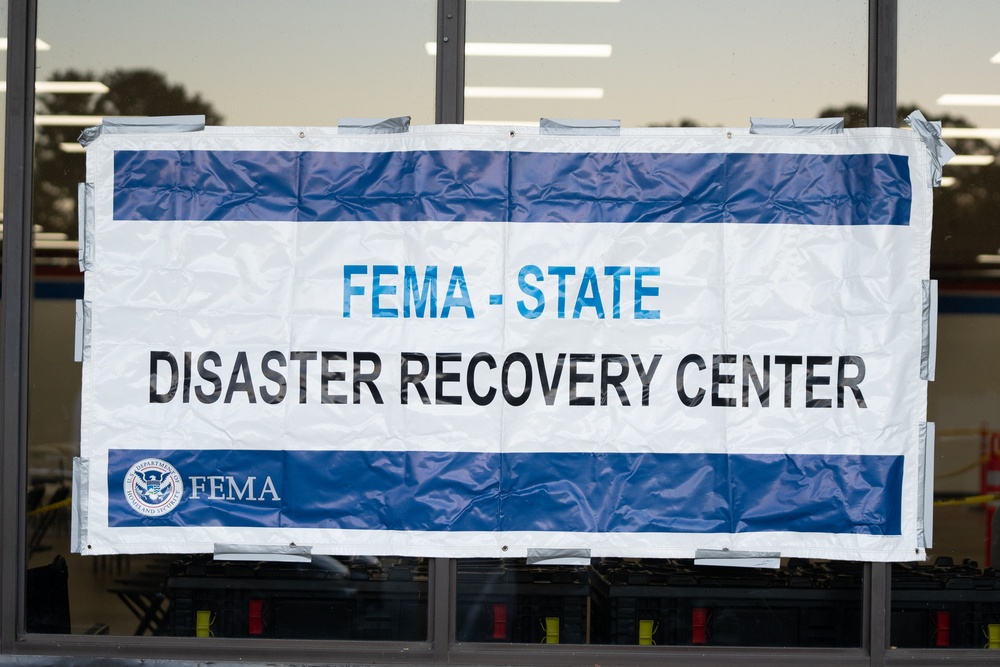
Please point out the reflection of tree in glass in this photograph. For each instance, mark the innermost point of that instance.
(965, 213)
(132, 92)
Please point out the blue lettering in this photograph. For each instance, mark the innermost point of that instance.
(561, 272)
(589, 285)
(378, 290)
(350, 290)
(641, 291)
(461, 300)
(419, 298)
(532, 291)
(616, 273)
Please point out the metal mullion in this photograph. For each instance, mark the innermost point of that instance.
(876, 611)
(14, 317)
(882, 59)
(450, 63)
(449, 107)
(442, 601)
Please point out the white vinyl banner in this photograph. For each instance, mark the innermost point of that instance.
(476, 341)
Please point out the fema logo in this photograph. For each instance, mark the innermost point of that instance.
(153, 487)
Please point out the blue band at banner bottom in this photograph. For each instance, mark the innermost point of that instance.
(465, 491)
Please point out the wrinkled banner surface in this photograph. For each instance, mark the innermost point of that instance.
(478, 341)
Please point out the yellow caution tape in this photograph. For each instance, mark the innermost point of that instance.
(51, 508)
(969, 500)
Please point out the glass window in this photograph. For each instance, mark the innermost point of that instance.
(238, 63)
(649, 62)
(659, 602)
(949, 60)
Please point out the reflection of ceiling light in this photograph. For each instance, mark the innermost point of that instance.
(971, 160)
(958, 100)
(531, 50)
(946, 181)
(75, 121)
(74, 147)
(39, 45)
(988, 259)
(535, 93)
(65, 87)
(48, 240)
(970, 132)
(995, 59)
(70, 87)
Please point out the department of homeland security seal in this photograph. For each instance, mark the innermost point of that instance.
(153, 487)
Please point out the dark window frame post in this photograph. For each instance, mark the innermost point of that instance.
(14, 318)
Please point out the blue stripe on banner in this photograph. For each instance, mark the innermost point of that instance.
(462, 491)
(494, 186)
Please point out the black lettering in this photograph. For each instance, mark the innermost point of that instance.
(440, 359)
(719, 379)
(470, 380)
(241, 368)
(303, 359)
(211, 376)
(327, 375)
(614, 380)
(576, 377)
(852, 382)
(788, 362)
(549, 390)
(273, 376)
(761, 387)
(155, 357)
(367, 379)
(646, 377)
(812, 379)
(515, 358)
(686, 399)
(416, 379)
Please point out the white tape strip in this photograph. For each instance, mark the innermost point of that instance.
(928, 345)
(265, 552)
(85, 223)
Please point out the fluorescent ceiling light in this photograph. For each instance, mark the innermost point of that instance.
(946, 181)
(971, 161)
(75, 121)
(958, 100)
(39, 45)
(530, 50)
(995, 59)
(534, 93)
(64, 87)
(970, 132)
